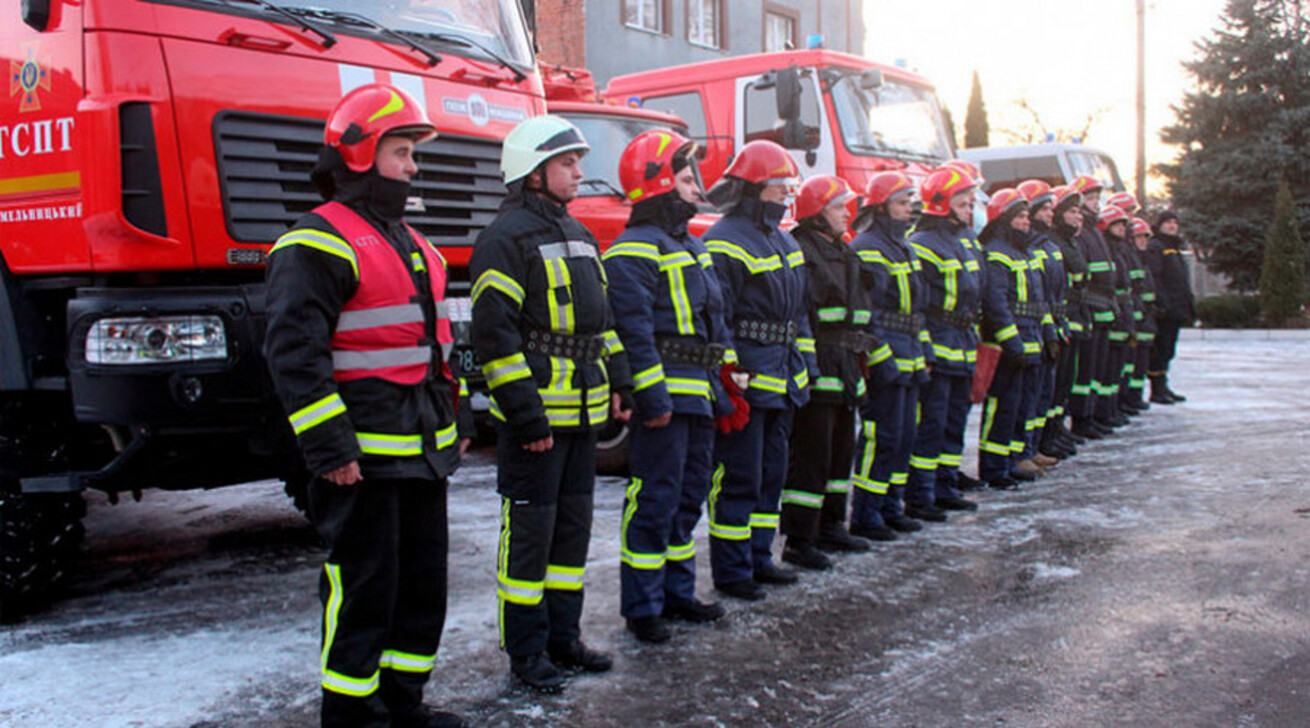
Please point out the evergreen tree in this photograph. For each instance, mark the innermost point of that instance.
(1283, 276)
(949, 120)
(975, 119)
(1244, 126)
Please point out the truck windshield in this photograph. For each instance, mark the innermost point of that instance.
(895, 119)
(608, 136)
(496, 25)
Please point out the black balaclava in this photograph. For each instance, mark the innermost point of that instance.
(1063, 230)
(383, 197)
(668, 212)
(1000, 229)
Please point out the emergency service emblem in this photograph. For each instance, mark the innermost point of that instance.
(26, 80)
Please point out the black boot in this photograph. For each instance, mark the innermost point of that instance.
(1169, 392)
(538, 673)
(426, 717)
(649, 629)
(874, 533)
(902, 523)
(746, 590)
(805, 555)
(770, 573)
(966, 483)
(1087, 430)
(836, 538)
(954, 503)
(694, 611)
(1160, 393)
(1003, 483)
(577, 656)
(922, 512)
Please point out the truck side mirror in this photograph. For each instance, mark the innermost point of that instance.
(787, 91)
(36, 13)
(871, 79)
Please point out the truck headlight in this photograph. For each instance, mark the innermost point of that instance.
(156, 340)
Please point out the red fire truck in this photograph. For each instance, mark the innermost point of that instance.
(837, 113)
(150, 152)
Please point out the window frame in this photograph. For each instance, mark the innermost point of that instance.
(720, 25)
(662, 22)
(781, 11)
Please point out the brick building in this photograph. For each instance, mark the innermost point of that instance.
(613, 37)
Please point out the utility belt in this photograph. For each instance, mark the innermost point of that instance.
(904, 323)
(767, 332)
(1098, 300)
(1029, 309)
(579, 347)
(849, 339)
(1060, 310)
(958, 319)
(689, 350)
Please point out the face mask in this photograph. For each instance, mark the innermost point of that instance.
(387, 197)
(979, 214)
(774, 212)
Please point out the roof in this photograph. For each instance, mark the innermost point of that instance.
(987, 154)
(754, 63)
(629, 112)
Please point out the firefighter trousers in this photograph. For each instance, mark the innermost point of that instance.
(1002, 421)
(944, 406)
(1164, 347)
(1107, 404)
(1064, 376)
(383, 589)
(1037, 384)
(545, 528)
(818, 480)
(744, 494)
(1090, 364)
(882, 454)
(670, 469)
(1137, 379)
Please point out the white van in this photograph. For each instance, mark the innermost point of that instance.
(1055, 163)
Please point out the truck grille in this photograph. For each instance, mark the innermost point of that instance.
(264, 164)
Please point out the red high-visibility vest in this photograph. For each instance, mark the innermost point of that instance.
(380, 330)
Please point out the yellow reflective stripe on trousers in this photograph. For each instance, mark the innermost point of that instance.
(316, 413)
(764, 520)
(508, 589)
(985, 443)
(320, 241)
(406, 661)
(719, 530)
(565, 578)
(681, 552)
(330, 679)
(838, 486)
(506, 369)
(802, 498)
(492, 279)
(635, 559)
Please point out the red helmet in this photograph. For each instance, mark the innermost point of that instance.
(1086, 184)
(940, 186)
(1004, 201)
(1141, 227)
(884, 186)
(1125, 201)
(646, 165)
(1110, 215)
(968, 168)
(764, 162)
(1066, 195)
(368, 113)
(1037, 192)
(820, 191)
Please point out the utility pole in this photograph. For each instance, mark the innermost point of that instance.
(1141, 102)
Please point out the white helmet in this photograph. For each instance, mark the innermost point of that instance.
(534, 141)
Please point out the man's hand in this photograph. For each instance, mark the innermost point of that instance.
(540, 446)
(616, 409)
(347, 474)
(663, 420)
(464, 444)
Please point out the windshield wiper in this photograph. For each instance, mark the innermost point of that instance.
(460, 40)
(349, 17)
(328, 40)
(603, 184)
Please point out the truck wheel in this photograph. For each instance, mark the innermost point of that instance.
(612, 450)
(40, 535)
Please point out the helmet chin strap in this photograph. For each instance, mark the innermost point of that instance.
(536, 182)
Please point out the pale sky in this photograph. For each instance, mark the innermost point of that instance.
(1066, 57)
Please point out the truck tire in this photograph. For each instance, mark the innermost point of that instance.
(612, 450)
(40, 535)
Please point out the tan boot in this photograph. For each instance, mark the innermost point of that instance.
(1045, 461)
(1028, 467)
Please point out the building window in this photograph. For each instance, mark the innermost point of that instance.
(704, 23)
(779, 30)
(644, 15)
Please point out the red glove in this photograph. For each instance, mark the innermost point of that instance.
(741, 409)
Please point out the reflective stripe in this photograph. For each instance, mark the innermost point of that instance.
(1100, 266)
(688, 387)
(985, 444)
(945, 352)
(719, 530)
(764, 520)
(832, 314)
(567, 249)
(766, 383)
(838, 486)
(877, 487)
(381, 358)
(829, 384)
(332, 680)
(447, 436)
(802, 498)
(806, 345)
(374, 443)
(754, 265)
(611, 341)
(506, 369)
(802, 379)
(519, 591)
(795, 259)
(682, 552)
(1005, 333)
(406, 662)
(922, 463)
(367, 318)
(320, 241)
(357, 687)
(683, 315)
(494, 279)
(317, 413)
(860, 317)
(633, 249)
(949, 460)
(635, 559)
(565, 578)
(648, 377)
(900, 477)
(880, 355)
(558, 276)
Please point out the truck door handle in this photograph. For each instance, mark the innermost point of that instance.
(234, 37)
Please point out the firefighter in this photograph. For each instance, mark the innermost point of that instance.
(1049, 259)
(1067, 222)
(1133, 382)
(1178, 306)
(945, 245)
(1112, 222)
(669, 316)
(1093, 371)
(762, 272)
(1013, 312)
(356, 332)
(1148, 326)
(814, 500)
(894, 279)
(543, 332)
